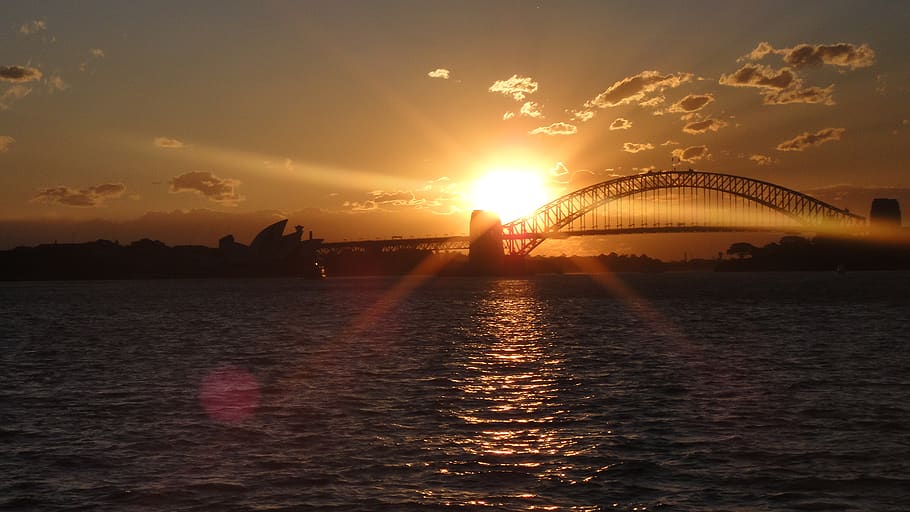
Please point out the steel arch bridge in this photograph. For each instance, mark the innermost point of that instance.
(676, 201)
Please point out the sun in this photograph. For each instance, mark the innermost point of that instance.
(511, 193)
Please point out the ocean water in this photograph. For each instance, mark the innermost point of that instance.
(684, 391)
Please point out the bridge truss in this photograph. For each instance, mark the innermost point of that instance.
(676, 201)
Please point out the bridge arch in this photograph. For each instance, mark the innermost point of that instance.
(522, 235)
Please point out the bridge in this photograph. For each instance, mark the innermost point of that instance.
(653, 202)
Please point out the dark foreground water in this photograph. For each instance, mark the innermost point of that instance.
(635, 392)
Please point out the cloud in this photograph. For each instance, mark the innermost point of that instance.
(508, 115)
(556, 129)
(670, 143)
(620, 123)
(804, 55)
(94, 54)
(808, 140)
(583, 115)
(635, 147)
(762, 160)
(86, 197)
(55, 84)
(653, 103)
(559, 169)
(780, 87)
(168, 143)
(691, 154)
(5, 142)
(204, 183)
(531, 109)
(19, 74)
(825, 96)
(32, 27)
(517, 87)
(763, 77)
(691, 103)
(704, 126)
(439, 73)
(635, 88)
(13, 94)
(440, 196)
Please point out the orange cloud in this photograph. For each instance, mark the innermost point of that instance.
(807, 95)
(5, 142)
(440, 196)
(583, 115)
(531, 109)
(517, 87)
(168, 143)
(808, 140)
(86, 197)
(204, 183)
(620, 123)
(32, 27)
(704, 126)
(635, 147)
(762, 160)
(555, 129)
(691, 154)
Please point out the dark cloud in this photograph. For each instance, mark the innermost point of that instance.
(691, 103)
(635, 147)
(620, 123)
(86, 197)
(691, 154)
(704, 126)
(635, 88)
(219, 190)
(808, 140)
(804, 55)
(840, 54)
(555, 129)
(757, 75)
(780, 87)
(19, 74)
(784, 86)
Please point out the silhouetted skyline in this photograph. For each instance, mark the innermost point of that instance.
(363, 119)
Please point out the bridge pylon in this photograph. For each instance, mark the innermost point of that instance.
(485, 255)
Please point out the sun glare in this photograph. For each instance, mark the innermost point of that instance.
(511, 193)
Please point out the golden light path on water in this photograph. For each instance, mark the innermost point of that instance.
(508, 394)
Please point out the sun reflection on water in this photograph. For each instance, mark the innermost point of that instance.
(509, 412)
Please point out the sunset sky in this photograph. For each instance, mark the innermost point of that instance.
(184, 121)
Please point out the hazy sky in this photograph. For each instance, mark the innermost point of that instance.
(375, 118)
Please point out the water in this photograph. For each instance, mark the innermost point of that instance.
(631, 392)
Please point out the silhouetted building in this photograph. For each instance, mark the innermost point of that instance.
(885, 213)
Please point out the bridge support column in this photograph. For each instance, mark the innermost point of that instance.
(485, 255)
